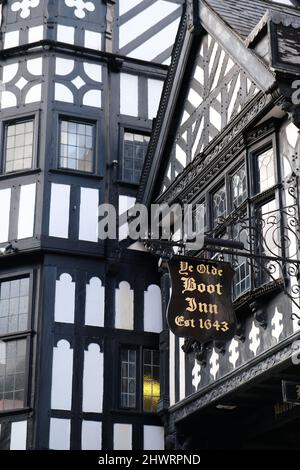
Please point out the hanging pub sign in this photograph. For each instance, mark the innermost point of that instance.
(200, 306)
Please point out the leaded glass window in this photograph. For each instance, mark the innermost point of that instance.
(242, 280)
(19, 146)
(200, 218)
(134, 150)
(265, 177)
(219, 205)
(238, 187)
(76, 150)
(12, 374)
(14, 303)
(151, 380)
(128, 378)
(14, 334)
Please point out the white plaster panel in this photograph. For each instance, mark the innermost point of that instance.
(153, 309)
(124, 307)
(154, 438)
(93, 380)
(60, 431)
(59, 211)
(26, 211)
(62, 376)
(65, 299)
(94, 303)
(122, 436)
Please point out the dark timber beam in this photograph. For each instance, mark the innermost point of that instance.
(236, 48)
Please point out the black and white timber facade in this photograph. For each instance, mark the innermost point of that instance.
(86, 358)
(80, 317)
(227, 138)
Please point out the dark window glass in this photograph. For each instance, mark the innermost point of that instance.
(238, 187)
(19, 146)
(14, 304)
(12, 374)
(151, 380)
(265, 177)
(128, 378)
(219, 205)
(76, 146)
(134, 151)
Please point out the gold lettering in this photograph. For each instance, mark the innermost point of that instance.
(185, 268)
(207, 269)
(203, 308)
(201, 268)
(298, 391)
(213, 309)
(211, 289)
(201, 288)
(219, 289)
(182, 323)
(189, 284)
(192, 304)
(190, 323)
(179, 321)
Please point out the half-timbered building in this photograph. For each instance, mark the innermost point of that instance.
(80, 317)
(226, 139)
(86, 357)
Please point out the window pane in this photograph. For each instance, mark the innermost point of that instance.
(134, 151)
(219, 205)
(128, 378)
(14, 305)
(268, 241)
(19, 146)
(265, 170)
(200, 218)
(76, 146)
(241, 264)
(238, 187)
(151, 388)
(12, 374)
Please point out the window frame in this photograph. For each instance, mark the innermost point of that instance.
(34, 117)
(222, 183)
(231, 173)
(137, 368)
(254, 199)
(145, 348)
(81, 120)
(134, 130)
(26, 334)
(254, 151)
(139, 408)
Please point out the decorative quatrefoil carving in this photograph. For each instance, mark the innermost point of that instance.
(80, 7)
(24, 6)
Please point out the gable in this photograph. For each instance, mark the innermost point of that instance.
(218, 90)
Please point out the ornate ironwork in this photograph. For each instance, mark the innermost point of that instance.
(273, 241)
